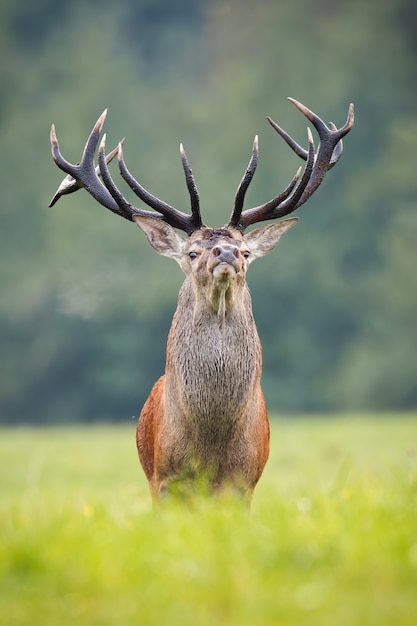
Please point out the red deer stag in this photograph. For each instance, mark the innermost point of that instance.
(206, 416)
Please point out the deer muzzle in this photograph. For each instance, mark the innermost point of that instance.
(225, 261)
(226, 255)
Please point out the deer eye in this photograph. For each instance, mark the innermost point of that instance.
(192, 255)
(246, 254)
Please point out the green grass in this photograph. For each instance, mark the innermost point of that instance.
(331, 539)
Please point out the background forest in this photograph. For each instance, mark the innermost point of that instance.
(86, 304)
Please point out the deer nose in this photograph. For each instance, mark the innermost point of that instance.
(226, 254)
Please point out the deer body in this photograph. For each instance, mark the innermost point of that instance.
(205, 418)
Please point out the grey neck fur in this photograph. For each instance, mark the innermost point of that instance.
(213, 358)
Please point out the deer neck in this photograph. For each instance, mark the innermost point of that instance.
(215, 310)
(221, 301)
(222, 298)
(213, 366)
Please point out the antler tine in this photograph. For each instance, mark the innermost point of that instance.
(169, 214)
(318, 123)
(338, 149)
(283, 203)
(84, 174)
(89, 149)
(192, 189)
(261, 213)
(234, 220)
(328, 153)
(299, 150)
(70, 184)
(302, 152)
(126, 209)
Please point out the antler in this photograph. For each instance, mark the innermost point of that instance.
(299, 190)
(86, 174)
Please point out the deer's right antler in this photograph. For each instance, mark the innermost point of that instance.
(86, 174)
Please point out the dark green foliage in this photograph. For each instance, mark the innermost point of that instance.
(86, 304)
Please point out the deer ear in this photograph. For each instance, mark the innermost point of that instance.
(162, 237)
(262, 240)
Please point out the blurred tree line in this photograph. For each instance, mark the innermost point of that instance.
(86, 304)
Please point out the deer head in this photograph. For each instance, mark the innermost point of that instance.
(215, 260)
(207, 413)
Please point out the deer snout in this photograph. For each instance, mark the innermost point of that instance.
(226, 254)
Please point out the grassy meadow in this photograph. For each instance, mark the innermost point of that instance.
(331, 538)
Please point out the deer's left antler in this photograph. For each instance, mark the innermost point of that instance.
(300, 189)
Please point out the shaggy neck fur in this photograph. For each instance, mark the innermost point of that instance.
(213, 360)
